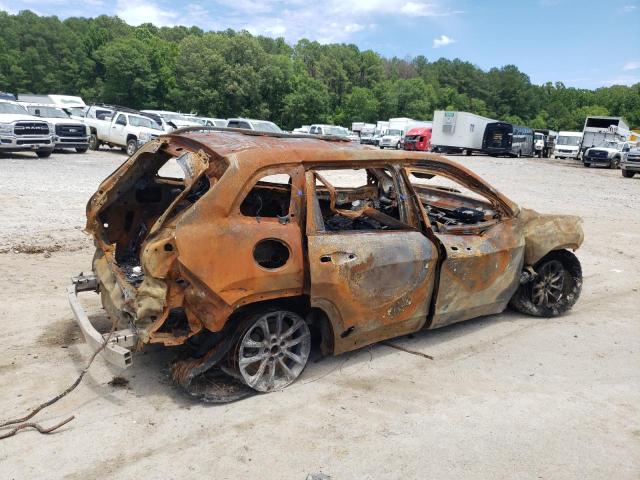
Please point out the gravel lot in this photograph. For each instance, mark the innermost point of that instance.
(506, 396)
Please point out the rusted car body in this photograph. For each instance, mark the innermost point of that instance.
(250, 272)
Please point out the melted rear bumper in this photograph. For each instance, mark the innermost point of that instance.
(117, 351)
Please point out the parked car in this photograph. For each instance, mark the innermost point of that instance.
(630, 165)
(119, 127)
(568, 145)
(211, 122)
(251, 124)
(69, 133)
(21, 131)
(608, 154)
(418, 139)
(316, 241)
(173, 119)
(321, 129)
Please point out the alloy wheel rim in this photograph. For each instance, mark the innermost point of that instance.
(548, 288)
(274, 351)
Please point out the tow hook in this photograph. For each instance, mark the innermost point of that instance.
(527, 275)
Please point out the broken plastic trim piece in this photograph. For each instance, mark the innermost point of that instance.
(117, 351)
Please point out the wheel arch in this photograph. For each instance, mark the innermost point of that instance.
(547, 233)
(319, 317)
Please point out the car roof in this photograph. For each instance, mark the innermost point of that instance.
(251, 150)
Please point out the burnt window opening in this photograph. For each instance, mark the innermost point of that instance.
(365, 199)
(270, 198)
(450, 204)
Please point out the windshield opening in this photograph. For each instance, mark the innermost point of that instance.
(397, 133)
(569, 141)
(608, 145)
(47, 112)
(143, 122)
(12, 109)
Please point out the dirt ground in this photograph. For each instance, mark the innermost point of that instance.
(506, 396)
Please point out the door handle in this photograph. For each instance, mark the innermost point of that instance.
(338, 257)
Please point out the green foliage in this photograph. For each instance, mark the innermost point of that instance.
(228, 73)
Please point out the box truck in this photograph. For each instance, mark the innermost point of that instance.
(598, 129)
(455, 132)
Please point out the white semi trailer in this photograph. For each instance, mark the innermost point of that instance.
(455, 132)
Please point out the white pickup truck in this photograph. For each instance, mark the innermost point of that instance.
(69, 133)
(21, 132)
(128, 130)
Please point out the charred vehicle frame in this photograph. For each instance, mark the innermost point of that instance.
(258, 254)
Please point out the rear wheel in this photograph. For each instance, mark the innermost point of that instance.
(627, 173)
(555, 288)
(272, 350)
(132, 146)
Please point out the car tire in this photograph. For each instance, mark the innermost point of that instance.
(554, 290)
(587, 164)
(132, 146)
(627, 173)
(44, 153)
(398, 146)
(82, 149)
(270, 349)
(94, 143)
(615, 163)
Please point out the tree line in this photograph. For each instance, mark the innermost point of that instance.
(230, 73)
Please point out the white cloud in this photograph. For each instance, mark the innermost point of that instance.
(629, 8)
(442, 41)
(135, 12)
(331, 21)
(633, 65)
(420, 9)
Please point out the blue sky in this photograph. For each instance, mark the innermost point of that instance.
(585, 44)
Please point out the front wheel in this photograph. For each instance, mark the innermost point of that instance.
(555, 288)
(628, 173)
(132, 146)
(398, 146)
(586, 164)
(615, 163)
(44, 153)
(82, 149)
(272, 351)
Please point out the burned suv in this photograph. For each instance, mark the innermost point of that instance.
(251, 248)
